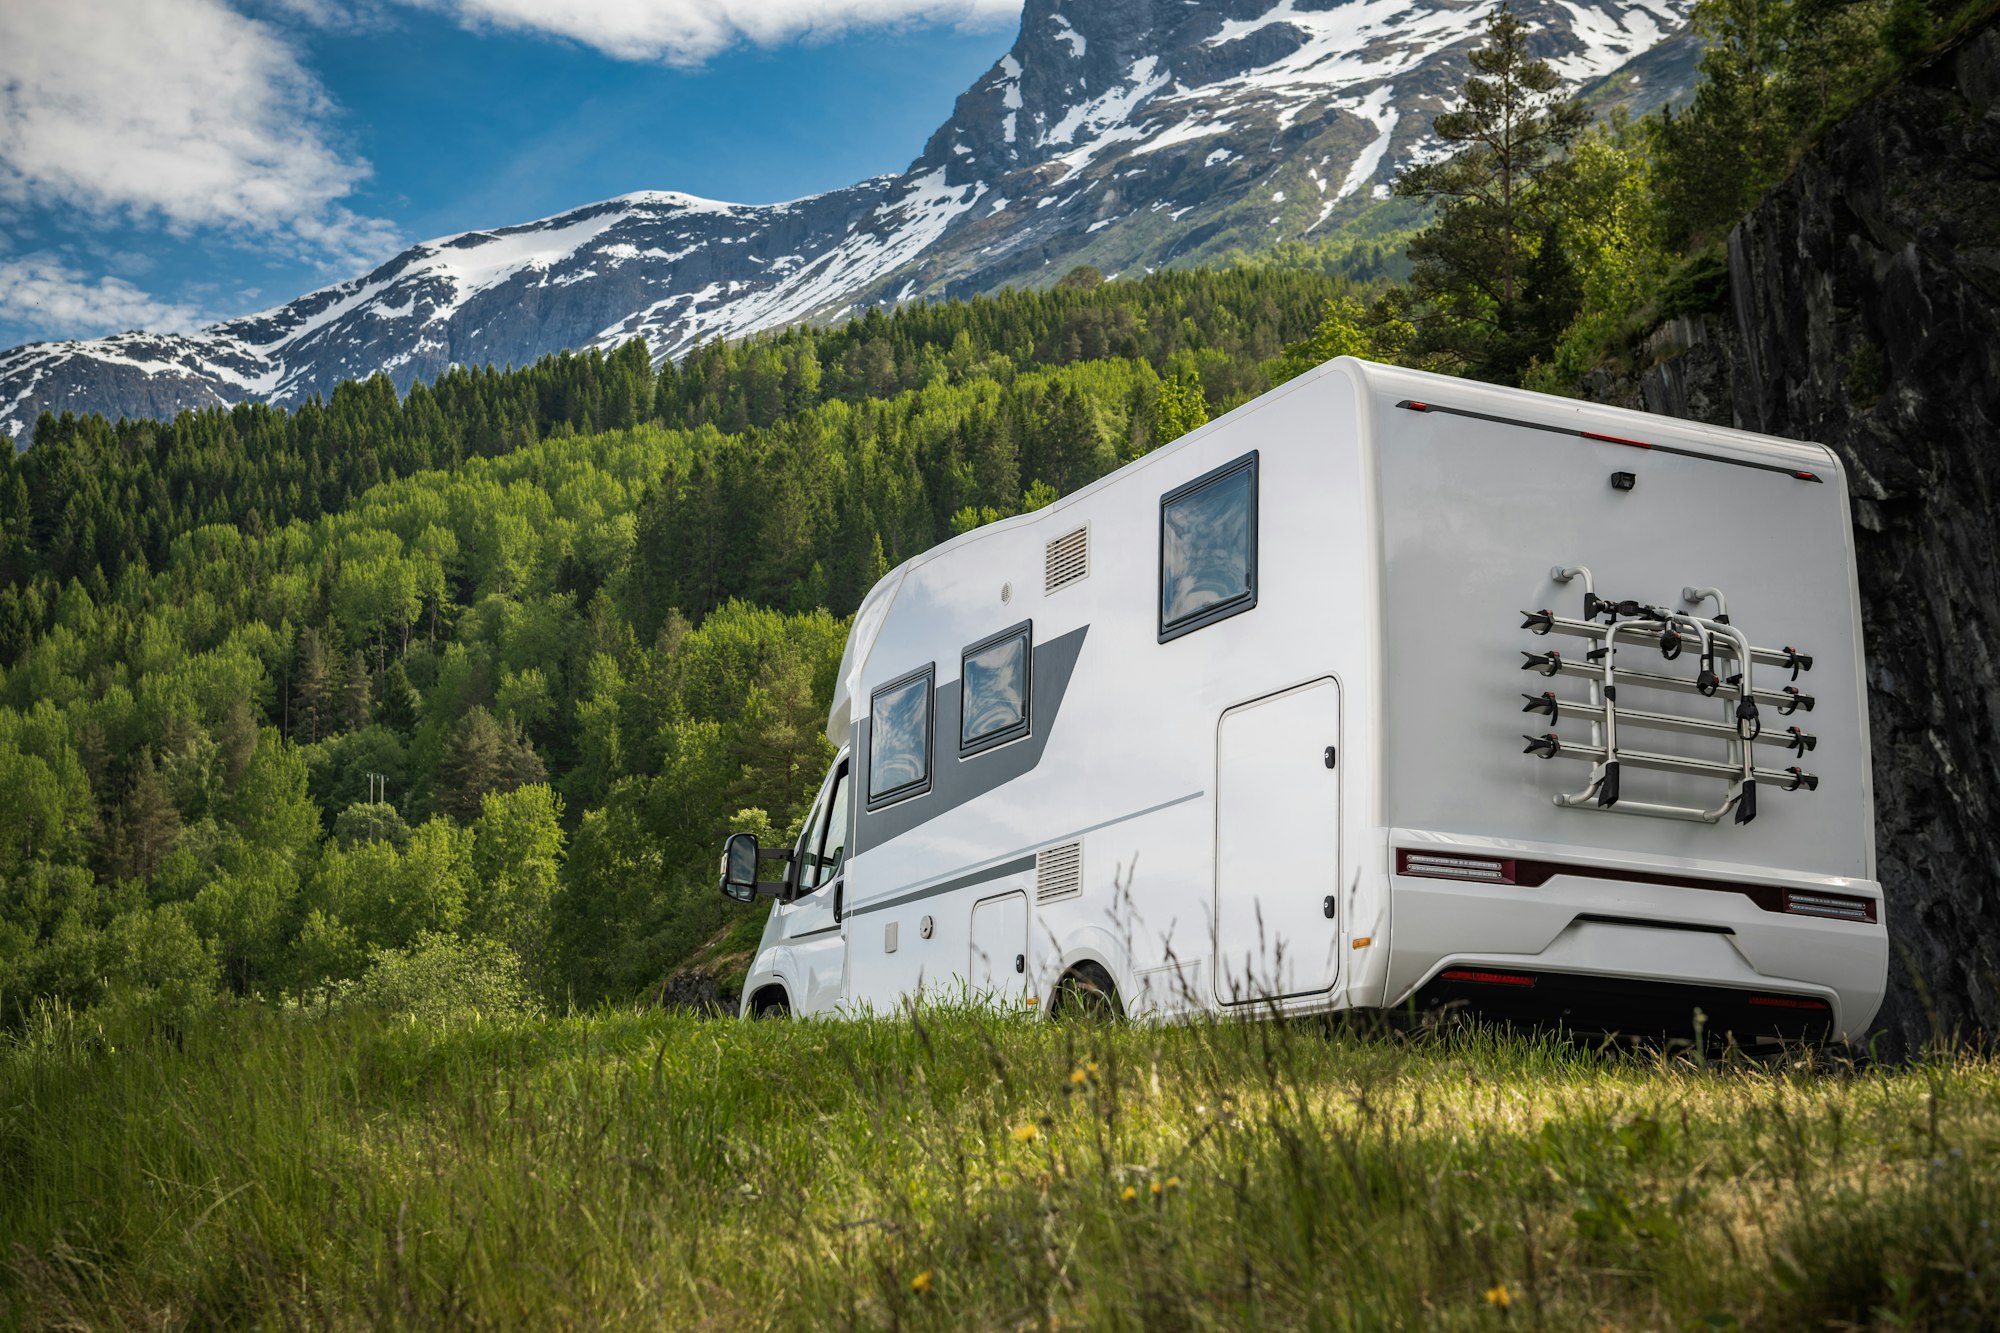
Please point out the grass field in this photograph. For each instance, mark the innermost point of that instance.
(963, 1170)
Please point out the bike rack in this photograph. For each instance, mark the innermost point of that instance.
(1630, 625)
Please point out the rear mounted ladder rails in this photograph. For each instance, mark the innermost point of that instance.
(1743, 729)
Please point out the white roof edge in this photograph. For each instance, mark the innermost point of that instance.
(1451, 391)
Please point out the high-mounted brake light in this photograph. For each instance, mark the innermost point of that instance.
(1487, 978)
(1491, 869)
(1416, 406)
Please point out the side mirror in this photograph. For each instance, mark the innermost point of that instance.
(739, 868)
(740, 858)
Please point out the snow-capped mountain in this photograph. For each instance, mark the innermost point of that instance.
(1129, 134)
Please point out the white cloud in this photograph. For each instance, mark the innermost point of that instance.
(40, 293)
(687, 32)
(181, 112)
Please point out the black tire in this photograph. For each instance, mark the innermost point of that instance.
(1087, 992)
(771, 1005)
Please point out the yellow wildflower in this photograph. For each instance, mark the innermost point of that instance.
(1025, 1133)
(1158, 1189)
(922, 1283)
(1497, 1294)
(1129, 1193)
(1078, 1076)
(1173, 1182)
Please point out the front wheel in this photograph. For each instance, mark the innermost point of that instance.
(1087, 991)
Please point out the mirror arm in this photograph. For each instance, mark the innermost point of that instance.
(780, 889)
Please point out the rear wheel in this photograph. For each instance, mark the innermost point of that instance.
(770, 1004)
(1087, 991)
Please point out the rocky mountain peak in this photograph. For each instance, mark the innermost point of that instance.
(1126, 134)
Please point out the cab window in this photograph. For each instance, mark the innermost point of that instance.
(823, 851)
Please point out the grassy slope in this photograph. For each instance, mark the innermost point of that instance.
(658, 1171)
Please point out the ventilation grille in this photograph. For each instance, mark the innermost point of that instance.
(1068, 560)
(1059, 872)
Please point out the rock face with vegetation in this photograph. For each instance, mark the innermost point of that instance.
(1863, 311)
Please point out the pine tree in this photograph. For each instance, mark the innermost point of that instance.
(400, 702)
(470, 766)
(1497, 198)
(236, 741)
(357, 694)
(1074, 450)
(482, 757)
(1715, 158)
(149, 825)
(311, 684)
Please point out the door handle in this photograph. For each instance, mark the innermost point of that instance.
(1332, 753)
(839, 890)
(1021, 962)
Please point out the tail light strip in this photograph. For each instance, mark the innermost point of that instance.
(1486, 978)
(1534, 874)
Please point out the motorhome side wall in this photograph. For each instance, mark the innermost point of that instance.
(1474, 514)
(1122, 757)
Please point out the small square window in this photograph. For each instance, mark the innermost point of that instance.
(1208, 548)
(899, 738)
(993, 693)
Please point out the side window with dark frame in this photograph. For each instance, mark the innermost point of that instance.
(1208, 548)
(899, 738)
(994, 687)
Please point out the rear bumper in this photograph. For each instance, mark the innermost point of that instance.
(1621, 1006)
(1653, 944)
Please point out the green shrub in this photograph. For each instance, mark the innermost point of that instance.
(445, 980)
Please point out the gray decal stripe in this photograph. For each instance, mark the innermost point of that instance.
(954, 781)
(1001, 871)
(1014, 866)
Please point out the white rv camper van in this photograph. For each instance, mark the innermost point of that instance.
(1385, 690)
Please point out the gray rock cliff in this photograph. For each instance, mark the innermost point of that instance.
(1864, 312)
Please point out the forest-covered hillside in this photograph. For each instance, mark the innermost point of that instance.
(293, 703)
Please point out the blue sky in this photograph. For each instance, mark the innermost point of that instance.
(165, 163)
